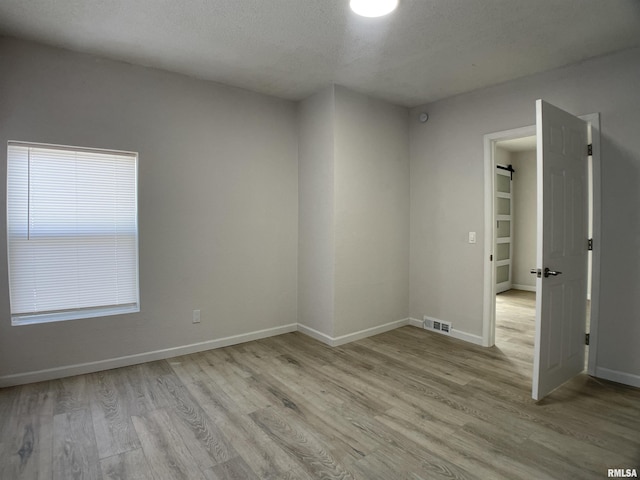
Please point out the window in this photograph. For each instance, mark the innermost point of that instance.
(72, 232)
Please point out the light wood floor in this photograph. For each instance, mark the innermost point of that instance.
(515, 323)
(407, 404)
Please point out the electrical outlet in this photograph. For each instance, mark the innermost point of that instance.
(196, 316)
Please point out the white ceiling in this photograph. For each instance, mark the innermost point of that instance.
(523, 144)
(426, 50)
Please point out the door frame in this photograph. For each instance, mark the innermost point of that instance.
(489, 307)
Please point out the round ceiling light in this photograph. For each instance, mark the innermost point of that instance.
(373, 8)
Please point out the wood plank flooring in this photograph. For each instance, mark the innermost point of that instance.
(515, 323)
(407, 404)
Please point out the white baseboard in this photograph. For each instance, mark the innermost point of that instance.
(526, 288)
(90, 367)
(369, 332)
(351, 337)
(617, 376)
(414, 322)
(467, 337)
(321, 337)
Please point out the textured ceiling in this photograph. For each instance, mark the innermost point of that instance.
(424, 51)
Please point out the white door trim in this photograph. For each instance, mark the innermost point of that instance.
(489, 307)
(489, 310)
(596, 162)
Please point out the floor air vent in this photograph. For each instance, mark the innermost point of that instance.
(437, 325)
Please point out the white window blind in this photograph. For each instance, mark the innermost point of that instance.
(72, 232)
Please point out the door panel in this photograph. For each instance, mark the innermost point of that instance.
(557, 223)
(554, 335)
(575, 243)
(562, 247)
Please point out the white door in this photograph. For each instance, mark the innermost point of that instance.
(504, 229)
(561, 249)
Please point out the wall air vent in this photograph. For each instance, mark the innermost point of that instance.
(437, 325)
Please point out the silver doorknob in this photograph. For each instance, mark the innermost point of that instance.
(551, 273)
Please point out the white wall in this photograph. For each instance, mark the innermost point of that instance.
(524, 218)
(218, 200)
(354, 213)
(372, 212)
(447, 195)
(316, 243)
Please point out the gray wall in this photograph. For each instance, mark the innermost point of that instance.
(447, 198)
(524, 218)
(316, 259)
(218, 200)
(354, 212)
(372, 212)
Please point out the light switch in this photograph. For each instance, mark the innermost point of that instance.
(472, 237)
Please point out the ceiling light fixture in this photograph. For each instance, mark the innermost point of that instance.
(373, 8)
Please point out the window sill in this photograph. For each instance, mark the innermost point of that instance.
(32, 319)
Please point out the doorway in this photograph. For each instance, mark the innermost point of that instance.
(515, 247)
(489, 314)
(515, 210)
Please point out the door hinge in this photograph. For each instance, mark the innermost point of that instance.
(590, 244)
(586, 339)
(590, 149)
(491, 258)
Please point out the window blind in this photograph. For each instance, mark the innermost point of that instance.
(72, 234)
